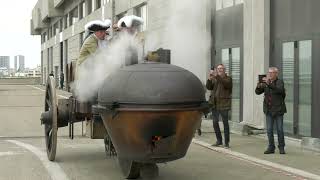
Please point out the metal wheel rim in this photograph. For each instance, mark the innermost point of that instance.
(50, 130)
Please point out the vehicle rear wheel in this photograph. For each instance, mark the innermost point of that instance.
(50, 119)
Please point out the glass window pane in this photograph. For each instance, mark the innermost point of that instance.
(98, 4)
(89, 7)
(305, 72)
(93, 4)
(143, 13)
(225, 60)
(83, 9)
(218, 4)
(235, 73)
(238, 1)
(288, 78)
(73, 16)
(227, 3)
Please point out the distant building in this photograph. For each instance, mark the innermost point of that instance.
(4, 72)
(35, 72)
(15, 63)
(21, 66)
(5, 62)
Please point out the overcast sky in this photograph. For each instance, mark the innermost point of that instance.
(15, 38)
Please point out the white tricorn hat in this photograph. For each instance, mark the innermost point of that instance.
(130, 21)
(97, 25)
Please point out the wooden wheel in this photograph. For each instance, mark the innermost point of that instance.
(107, 145)
(109, 148)
(130, 169)
(51, 124)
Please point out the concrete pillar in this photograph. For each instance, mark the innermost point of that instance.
(256, 58)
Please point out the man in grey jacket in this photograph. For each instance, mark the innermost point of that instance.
(274, 107)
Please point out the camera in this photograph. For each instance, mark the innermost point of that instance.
(260, 77)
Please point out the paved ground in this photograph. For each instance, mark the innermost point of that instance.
(23, 156)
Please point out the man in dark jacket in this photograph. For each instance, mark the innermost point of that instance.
(220, 85)
(61, 80)
(274, 107)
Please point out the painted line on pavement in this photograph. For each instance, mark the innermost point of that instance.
(9, 153)
(65, 97)
(286, 170)
(53, 168)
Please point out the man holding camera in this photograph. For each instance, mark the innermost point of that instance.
(274, 107)
(220, 85)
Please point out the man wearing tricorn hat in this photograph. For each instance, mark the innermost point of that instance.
(95, 40)
(128, 25)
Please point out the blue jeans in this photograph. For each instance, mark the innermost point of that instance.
(278, 120)
(224, 115)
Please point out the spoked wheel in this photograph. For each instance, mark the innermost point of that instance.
(50, 119)
(107, 145)
(130, 169)
(109, 148)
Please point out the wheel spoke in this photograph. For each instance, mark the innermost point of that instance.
(49, 93)
(50, 140)
(48, 103)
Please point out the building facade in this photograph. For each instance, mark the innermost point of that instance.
(5, 62)
(19, 63)
(15, 68)
(247, 36)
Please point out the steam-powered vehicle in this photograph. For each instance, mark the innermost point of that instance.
(149, 114)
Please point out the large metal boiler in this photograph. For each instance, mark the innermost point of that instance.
(150, 111)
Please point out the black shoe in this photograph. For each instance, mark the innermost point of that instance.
(269, 151)
(217, 144)
(227, 146)
(199, 132)
(281, 151)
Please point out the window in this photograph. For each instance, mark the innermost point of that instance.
(227, 3)
(218, 4)
(231, 59)
(61, 25)
(44, 37)
(97, 4)
(82, 10)
(56, 28)
(221, 4)
(297, 77)
(288, 79)
(49, 32)
(89, 7)
(65, 21)
(305, 86)
(73, 16)
(142, 12)
(238, 2)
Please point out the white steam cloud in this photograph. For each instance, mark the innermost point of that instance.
(189, 31)
(186, 32)
(184, 28)
(97, 67)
